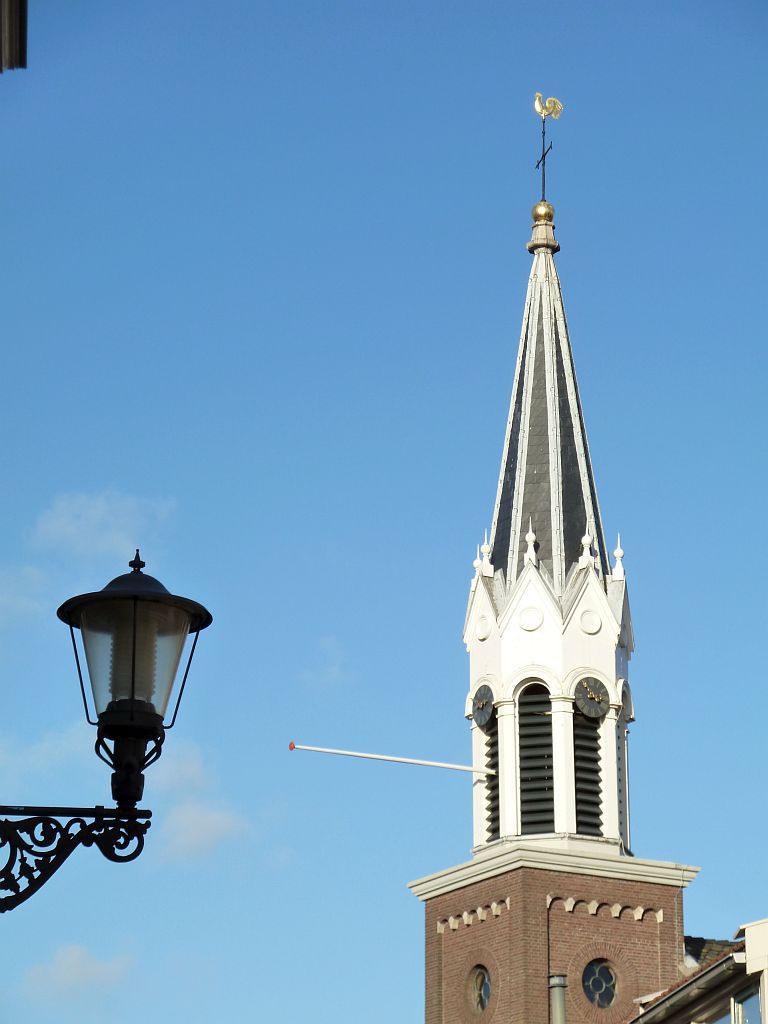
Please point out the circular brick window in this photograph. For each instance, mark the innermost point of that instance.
(599, 983)
(479, 988)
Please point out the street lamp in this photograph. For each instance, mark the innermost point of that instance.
(133, 633)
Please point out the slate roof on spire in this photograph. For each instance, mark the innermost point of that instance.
(546, 476)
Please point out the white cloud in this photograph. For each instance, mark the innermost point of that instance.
(46, 755)
(181, 768)
(280, 858)
(53, 767)
(329, 668)
(22, 593)
(192, 829)
(103, 523)
(71, 969)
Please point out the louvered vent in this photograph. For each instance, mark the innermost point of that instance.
(537, 805)
(621, 776)
(586, 756)
(492, 781)
(622, 760)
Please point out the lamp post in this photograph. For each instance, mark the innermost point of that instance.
(134, 633)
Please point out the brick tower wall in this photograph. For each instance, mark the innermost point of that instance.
(530, 923)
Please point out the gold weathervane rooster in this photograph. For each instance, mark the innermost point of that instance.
(552, 108)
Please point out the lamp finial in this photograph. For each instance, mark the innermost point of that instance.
(136, 563)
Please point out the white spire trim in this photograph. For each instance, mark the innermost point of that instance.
(486, 568)
(544, 264)
(521, 347)
(530, 540)
(618, 554)
(516, 525)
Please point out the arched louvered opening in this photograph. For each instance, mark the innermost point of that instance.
(537, 801)
(622, 772)
(586, 756)
(492, 821)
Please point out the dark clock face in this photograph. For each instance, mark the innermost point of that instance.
(592, 697)
(482, 705)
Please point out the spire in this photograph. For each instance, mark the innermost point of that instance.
(548, 626)
(546, 475)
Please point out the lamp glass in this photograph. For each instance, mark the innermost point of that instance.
(133, 648)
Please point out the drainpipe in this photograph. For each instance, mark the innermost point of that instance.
(557, 986)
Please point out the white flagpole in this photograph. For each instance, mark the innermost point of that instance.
(385, 757)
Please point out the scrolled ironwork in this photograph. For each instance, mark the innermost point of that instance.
(37, 845)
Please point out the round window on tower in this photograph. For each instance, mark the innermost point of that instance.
(599, 983)
(479, 988)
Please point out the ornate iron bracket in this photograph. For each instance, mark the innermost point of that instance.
(36, 846)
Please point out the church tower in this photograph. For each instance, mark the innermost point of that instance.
(552, 907)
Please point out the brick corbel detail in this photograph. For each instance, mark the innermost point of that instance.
(466, 918)
(570, 903)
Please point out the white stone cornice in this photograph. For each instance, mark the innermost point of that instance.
(567, 854)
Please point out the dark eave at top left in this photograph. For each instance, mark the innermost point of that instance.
(13, 34)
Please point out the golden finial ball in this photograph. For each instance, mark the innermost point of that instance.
(543, 213)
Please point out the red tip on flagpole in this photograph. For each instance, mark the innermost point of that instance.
(291, 745)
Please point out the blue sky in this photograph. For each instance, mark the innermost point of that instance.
(262, 278)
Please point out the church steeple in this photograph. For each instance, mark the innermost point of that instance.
(551, 891)
(546, 478)
(548, 628)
